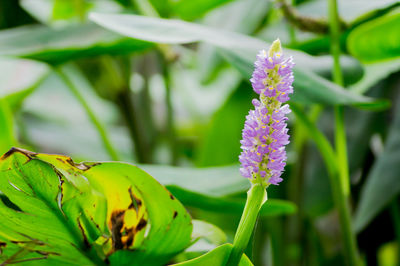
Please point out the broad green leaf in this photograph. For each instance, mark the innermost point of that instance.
(88, 213)
(381, 42)
(216, 257)
(56, 46)
(239, 49)
(382, 185)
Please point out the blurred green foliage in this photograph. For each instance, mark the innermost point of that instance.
(164, 85)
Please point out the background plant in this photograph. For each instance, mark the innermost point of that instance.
(172, 95)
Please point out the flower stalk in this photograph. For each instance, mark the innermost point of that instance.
(264, 137)
(341, 181)
(256, 197)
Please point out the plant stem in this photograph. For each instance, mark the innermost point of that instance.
(256, 197)
(93, 118)
(341, 182)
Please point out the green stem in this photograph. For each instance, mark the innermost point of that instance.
(256, 197)
(341, 183)
(95, 121)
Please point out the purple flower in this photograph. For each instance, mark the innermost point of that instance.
(265, 135)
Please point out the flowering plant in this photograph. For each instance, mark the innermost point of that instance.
(264, 137)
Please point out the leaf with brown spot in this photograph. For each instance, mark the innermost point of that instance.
(95, 213)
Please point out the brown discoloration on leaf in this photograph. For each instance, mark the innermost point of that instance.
(142, 224)
(136, 203)
(13, 150)
(85, 239)
(171, 196)
(126, 222)
(80, 166)
(47, 253)
(175, 214)
(117, 223)
(33, 241)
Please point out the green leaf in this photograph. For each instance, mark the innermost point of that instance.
(57, 46)
(382, 41)
(239, 49)
(88, 213)
(382, 185)
(217, 257)
(211, 181)
(208, 232)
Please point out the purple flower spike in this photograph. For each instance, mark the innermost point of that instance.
(265, 133)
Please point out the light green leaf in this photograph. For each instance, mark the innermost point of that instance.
(56, 46)
(377, 39)
(349, 10)
(382, 185)
(240, 50)
(216, 257)
(208, 232)
(211, 181)
(88, 213)
(191, 9)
